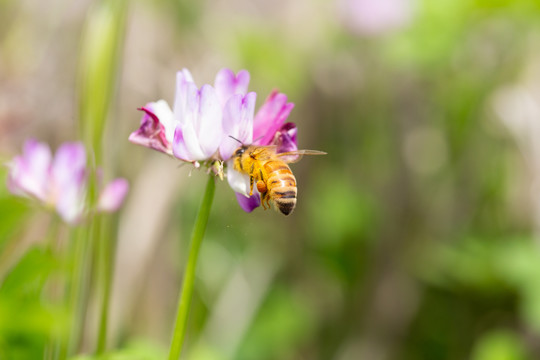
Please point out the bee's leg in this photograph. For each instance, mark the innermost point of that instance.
(250, 185)
(264, 198)
(268, 198)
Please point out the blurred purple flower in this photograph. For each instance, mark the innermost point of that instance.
(209, 123)
(366, 17)
(59, 182)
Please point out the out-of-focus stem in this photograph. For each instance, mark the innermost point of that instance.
(80, 239)
(189, 274)
(100, 55)
(106, 251)
(53, 287)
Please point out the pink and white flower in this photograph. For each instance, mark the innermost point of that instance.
(207, 124)
(60, 182)
(203, 119)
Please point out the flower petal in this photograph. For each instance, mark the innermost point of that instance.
(209, 123)
(113, 195)
(238, 123)
(270, 117)
(199, 130)
(165, 117)
(69, 164)
(70, 205)
(185, 144)
(29, 173)
(185, 90)
(239, 182)
(68, 181)
(228, 84)
(285, 138)
(157, 128)
(248, 204)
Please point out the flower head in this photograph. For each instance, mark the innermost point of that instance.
(199, 127)
(209, 123)
(60, 182)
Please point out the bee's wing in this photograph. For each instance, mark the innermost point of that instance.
(263, 153)
(295, 156)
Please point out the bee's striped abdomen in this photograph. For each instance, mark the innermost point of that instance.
(281, 185)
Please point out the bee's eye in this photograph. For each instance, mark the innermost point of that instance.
(240, 151)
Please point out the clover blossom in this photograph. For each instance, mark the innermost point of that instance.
(60, 182)
(209, 123)
(202, 120)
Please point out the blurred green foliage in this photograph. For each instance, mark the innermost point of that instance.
(99, 60)
(416, 237)
(28, 321)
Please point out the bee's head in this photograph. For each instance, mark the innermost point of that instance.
(240, 151)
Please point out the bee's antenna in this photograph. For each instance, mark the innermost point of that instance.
(232, 137)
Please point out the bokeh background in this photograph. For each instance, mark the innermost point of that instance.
(416, 237)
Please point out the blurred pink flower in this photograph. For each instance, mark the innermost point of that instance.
(112, 196)
(59, 182)
(210, 123)
(367, 17)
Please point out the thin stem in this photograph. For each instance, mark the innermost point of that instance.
(189, 275)
(54, 285)
(79, 285)
(105, 264)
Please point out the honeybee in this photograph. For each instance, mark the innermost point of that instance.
(270, 173)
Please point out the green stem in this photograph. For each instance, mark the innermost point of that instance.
(80, 239)
(54, 285)
(189, 274)
(105, 264)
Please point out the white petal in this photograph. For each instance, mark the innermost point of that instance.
(238, 181)
(208, 126)
(166, 117)
(70, 205)
(192, 143)
(185, 90)
(69, 164)
(29, 173)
